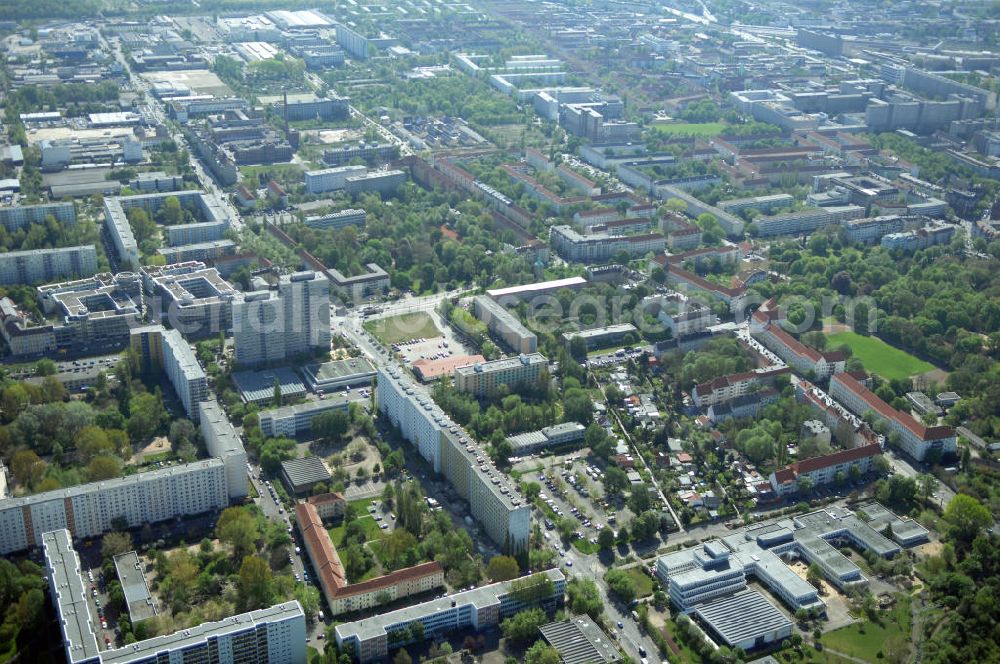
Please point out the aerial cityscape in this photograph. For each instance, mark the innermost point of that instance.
(499, 332)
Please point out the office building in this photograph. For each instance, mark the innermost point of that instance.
(872, 229)
(331, 179)
(195, 299)
(89, 510)
(486, 378)
(338, 374)
(765, 326)
(19, 216)
(222, 442)
(322, 108)
(199, 251)
(290, 421)
(759, 203)
(344, 597)
(337, 220)
(479, 609)
(18, 268)
(548, 437)
(602, 337)
(294, 320)
(96, 313)
(383, 182)
(275, 635)
(720, 568)
(497, 506)
(504, 325)
(916, 439)
(156, 181)
(360, 286)
(600, 247)
(370, 153)
(183, 371)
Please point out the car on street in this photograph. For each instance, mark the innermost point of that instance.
(621, 625)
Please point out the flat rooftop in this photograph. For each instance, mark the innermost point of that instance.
(580, 641)
(542, 286)
(338, 369)
(71, 598)
(745, 615)
(307, 470)
(256, 386)
(504, 364)
(137, 596)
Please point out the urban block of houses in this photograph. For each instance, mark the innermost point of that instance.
(342, 596)
(915, 438)
(765, 326)
(479, 609)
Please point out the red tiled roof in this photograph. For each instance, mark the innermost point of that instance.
(327, 563)
(704, 284)
(791, 471)
(332, 497)
(890, 413)
(436, 368)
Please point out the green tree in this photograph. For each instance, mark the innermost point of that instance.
(255, 584)
(621, 584)
(540, 653)
(104, 467)
(238, 528)
(606, 538)
(502, 568)
(114, 544)
(523, 626)
(582, 596)
(967, 517)
(45, 367)
(332, 425)
(615, 481)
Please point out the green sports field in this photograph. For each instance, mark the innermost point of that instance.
(703, 129)
(879, 357)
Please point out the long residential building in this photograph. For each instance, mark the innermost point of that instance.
(504, 514)
(504, 325)
(823, 469)
(487, 377)
(916, 439)
(184, 372)
(765, 326)
(806, 221)
(345, 597)
(726, 388)
(274, 635)
(89, 510)
(18, 268)
(222, 442)
(19, 216)
(479, 609)
(600, 247)
(331, 179)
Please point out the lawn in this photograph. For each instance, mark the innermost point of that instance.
(585, 546)
(397, 329)
(643, 584)
(879, 357)
(370, 525)
(866, 639)
(703, 129)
